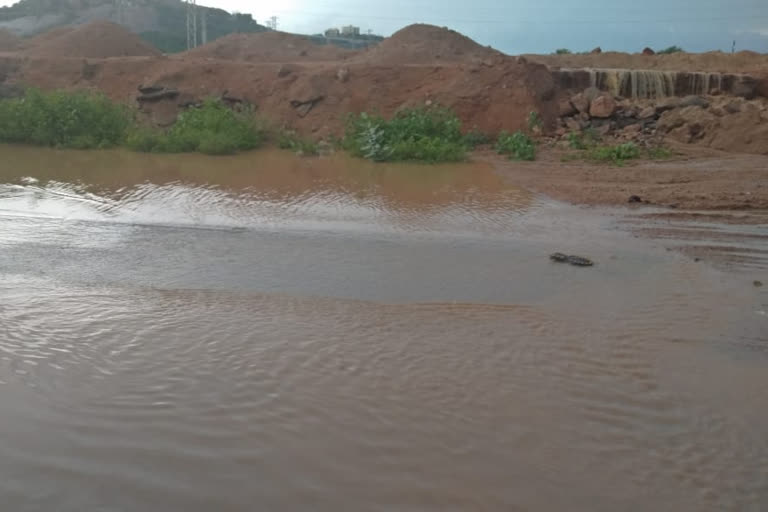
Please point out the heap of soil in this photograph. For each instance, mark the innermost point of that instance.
(8, 41)
(99, 39)
(715, 62)
(268, 47)
(427, 45)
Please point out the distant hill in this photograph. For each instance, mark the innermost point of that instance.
(162, 23)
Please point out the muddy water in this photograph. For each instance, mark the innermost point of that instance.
(270, 333)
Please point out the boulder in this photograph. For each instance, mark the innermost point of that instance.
(647, 113)
(694, 101)
(597, 50)
(648, 51)
(602, 107)
(580, 102)
(566, 108)
(669, 103)
(572, 125)
(592, 92)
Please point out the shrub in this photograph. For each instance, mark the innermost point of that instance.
(615, 154)
(534, 122)
(292, 141)
(671, 49)
(423, 134)
(475, 137)
(518, 146)
(562, 51)
(212, 128)
(80, 120)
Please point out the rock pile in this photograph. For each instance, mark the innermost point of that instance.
(720, 122)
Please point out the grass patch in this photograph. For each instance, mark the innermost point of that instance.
(430, 135)
(563, 51)
(211, 128)
(80, 120)
(617, 155)
(518, 146)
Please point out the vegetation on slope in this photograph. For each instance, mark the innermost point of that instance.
(83, 120)
(421, 134)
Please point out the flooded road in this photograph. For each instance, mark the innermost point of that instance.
(262, 332)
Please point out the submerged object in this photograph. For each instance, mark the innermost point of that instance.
(578, 261)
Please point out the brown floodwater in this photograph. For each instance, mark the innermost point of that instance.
(264, 332)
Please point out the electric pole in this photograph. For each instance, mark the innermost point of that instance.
(191, 24)
(272, 23)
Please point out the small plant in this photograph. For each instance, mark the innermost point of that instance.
(617, 155)
(475, 137)
(670, 50)
(563, 51)
(534, 122)
(659, 153)
(290, 140)
(518, 146)
(576, 141)
(430, 135)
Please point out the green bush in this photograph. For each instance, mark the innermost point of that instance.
(518, 146)
(615, 154)
(671, 49)
(475, 137)
(212, 128)
(562, 51)
(423, 134)
(290, 140)
(80, 120)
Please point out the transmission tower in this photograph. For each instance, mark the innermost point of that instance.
(191, 24)
(272, 22)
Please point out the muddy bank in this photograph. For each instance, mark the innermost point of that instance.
(694, 179)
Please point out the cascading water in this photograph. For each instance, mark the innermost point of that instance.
(652, 84)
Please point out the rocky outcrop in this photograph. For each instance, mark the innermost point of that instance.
(719, 122)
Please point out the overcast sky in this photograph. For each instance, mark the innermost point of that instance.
(520, 26)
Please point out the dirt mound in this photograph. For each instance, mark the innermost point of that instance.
(268, 47)
(100, 39)
(9, 42)
(427, 44)
(715, 62)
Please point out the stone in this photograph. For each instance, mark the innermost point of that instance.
(733, 106)
(647, 113)
(596, 50)
(604, 129)
(694, 101)
(632, 129)
(580, 102)
(560, 132)
(566, 108)
(342, 75)
(667, 104)
(284, 71)
(635, 199)
(572, 125)
(602, 107)
(592, 92)
(757, 284)
(648, 51)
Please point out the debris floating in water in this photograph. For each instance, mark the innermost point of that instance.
(578, 261)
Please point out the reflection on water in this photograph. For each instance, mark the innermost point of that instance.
(272, 333)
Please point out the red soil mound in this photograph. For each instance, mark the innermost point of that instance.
(268, 47)
(100, 39)
(8, 41)
(427, 44)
